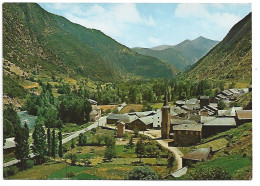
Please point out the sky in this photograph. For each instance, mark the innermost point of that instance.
(150, 25)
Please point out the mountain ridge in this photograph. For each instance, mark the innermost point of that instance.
(231, 59)
(56, 45)
(181, 55)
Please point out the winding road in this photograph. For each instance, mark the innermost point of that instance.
(100, 122)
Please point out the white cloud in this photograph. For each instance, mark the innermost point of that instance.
(187, 10)
(112, 20)
(201, 12)
(154, 41)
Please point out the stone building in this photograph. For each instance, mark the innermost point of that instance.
(120, 129)
(166, 120)
(204, 101)
(114, 118)
(198, 155)
(95, 114)
(213, 125)
(243, 116)
(187, 134)
(141, 124)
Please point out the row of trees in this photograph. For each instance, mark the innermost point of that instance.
(70, 107)
(149, 91)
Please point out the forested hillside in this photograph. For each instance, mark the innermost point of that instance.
(35, 39)
(231, 59)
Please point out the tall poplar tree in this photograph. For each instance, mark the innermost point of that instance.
(22, 145)
(39, 142)
(60, 144)
(49, 140)
(53, 144)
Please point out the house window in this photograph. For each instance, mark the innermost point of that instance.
(187, 132)
(191, 133)
(179, 132)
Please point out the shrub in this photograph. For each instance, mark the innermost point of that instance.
(209, 173)
(73, 158)
(10, 171)
(28, 164)
(70, 174)
(143, 173)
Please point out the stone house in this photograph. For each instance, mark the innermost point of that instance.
(141, 124)
(95, 114)
(187, 134)
(213, 125)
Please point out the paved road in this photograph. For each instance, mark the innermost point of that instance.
(121, 107)
(101, 122)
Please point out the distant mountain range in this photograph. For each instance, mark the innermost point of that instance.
(33, 37)
(182, 55)
(231, 59)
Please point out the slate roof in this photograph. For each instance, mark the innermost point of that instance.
(187, 127)
(227, 92)
(221, 96)
(178, 110)
(122, 117)
(221, 121)
(180, 102)
(180, 172)
(92, 101)
(230, 112)
(9, 143)
(198, 154)
(147, 120)
(120, 122)
(244, 90)
(244, 114)
(182, 121)
(234, 91)
(204, 97)
(205, 119)
(143, 114)
(192, 101)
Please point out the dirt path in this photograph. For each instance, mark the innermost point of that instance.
(176, 152)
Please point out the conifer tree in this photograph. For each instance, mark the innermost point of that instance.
(60, 144)
(39, 142)
(49, 140)
(53, 144)
(22, 145)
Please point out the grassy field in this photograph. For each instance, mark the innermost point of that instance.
(39, 172)
(157, 106)
(72, 127)
(106, 107)
(136, 107)
(232, 163)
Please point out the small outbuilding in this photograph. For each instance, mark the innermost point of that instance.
(243, 116)
(198, 155)
(120, 128)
